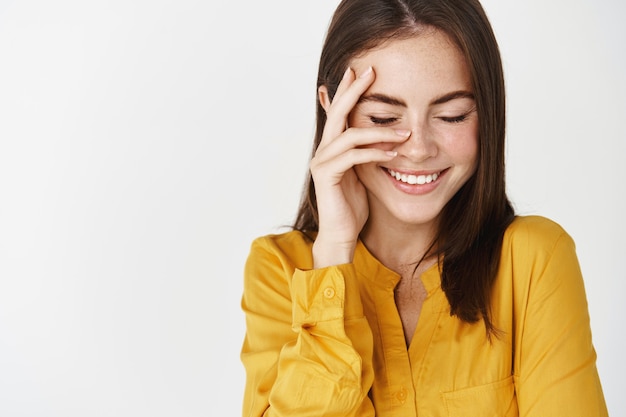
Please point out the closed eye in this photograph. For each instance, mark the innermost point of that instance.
(383, 121)
(456, 119)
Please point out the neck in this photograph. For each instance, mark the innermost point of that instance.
(399, 246)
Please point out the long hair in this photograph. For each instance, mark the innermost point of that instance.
(472, 224)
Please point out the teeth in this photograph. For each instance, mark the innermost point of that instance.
(414, 179)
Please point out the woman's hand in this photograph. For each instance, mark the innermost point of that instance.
(341, 198)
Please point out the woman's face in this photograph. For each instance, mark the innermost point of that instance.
(423, 85)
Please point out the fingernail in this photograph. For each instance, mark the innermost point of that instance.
(345, 74)
(367, 72)
(403, 132)
(391, 153)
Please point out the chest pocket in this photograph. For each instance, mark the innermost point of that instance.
(491, 400)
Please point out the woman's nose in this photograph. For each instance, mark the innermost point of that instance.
(420, 146)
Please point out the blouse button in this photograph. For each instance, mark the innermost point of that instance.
(329, 292)
(401, 395)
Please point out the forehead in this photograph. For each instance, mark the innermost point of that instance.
(429, 63)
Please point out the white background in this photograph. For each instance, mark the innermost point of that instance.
(144, 144)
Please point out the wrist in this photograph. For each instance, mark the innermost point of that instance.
(327, 254)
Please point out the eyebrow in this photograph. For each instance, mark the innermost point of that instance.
(385, 99)
(453, 96)
(382, 98)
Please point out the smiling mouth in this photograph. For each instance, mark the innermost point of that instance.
(414, 179)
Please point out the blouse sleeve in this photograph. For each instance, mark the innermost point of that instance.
(307, 349)
(555, 362)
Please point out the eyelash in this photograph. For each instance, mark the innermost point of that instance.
(383, 122)
(457, 119)
(388, 121)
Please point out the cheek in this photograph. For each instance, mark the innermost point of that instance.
(462, 144)
(467, 149)
(366, 173)
(471, 149)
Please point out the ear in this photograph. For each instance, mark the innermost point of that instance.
(322, 93)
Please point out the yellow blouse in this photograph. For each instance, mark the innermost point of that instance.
(329, 342)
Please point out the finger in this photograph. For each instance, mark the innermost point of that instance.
(342, 104)
(360, 137)
(335, 168)
(352, 87)
(348, 78)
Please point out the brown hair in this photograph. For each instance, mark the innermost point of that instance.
(473, 222)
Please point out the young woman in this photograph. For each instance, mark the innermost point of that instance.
(408, 286)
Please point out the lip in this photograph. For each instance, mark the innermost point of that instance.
(415, 189)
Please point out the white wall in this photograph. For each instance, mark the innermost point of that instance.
(143, 144)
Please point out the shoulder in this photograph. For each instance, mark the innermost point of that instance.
(534, 244)
(535, 233)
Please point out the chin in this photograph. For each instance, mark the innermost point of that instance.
(417, 217)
